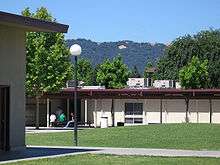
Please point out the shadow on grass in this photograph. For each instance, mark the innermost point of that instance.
(35, 152)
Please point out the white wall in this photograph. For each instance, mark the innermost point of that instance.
(173, 110)
(216, 111)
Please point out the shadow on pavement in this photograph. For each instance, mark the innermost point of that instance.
(34, 152)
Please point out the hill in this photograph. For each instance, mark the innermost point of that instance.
(133, 53)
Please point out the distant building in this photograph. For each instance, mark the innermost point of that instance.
(137, 83)
(137, 106)
(164, 84)
(149, 83)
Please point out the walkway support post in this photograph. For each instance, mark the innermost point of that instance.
(95, 114)
(68, 109)
(210, 110)
(113, 113)
(161, 111)
(187, 109)
(86, 110)
(37, 112)
(48, 112)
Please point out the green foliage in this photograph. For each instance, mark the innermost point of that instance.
(135, 73)
(85, 71)
(48, 62)
(204, 45)
(148, 66)
(195, 74)
(113, 74)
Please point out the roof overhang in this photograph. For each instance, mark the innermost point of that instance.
(31, 24)
(137, 93)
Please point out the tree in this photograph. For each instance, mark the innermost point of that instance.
(85, 71)
(113, 74)
(204, 45)
(194, 74)
(148, 66)
(48, 62)
(135, 73)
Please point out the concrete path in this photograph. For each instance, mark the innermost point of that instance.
(50, 129)
(37, 152)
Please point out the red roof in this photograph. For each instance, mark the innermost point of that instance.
(137, 93)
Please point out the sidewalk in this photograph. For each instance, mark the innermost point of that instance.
(50, 129)
(37, 152)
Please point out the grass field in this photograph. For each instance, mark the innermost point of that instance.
(90, 159)
(176, 136)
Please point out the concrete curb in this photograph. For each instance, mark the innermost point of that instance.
(32, 152)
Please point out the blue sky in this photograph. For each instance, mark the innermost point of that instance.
(137, 20)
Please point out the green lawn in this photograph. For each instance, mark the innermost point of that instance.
(177, 136)
(90, 159)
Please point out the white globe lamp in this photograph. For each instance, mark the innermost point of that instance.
(75, 50)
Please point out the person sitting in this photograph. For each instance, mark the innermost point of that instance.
(71, 121)
(62, 118)
(52, 120)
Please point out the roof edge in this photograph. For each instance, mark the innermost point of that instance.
(32, 24)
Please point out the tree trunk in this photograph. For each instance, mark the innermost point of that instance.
(37, 112)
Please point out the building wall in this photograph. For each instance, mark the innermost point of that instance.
(216, 111)
(30, 112)
(12, 73)
(173, 110)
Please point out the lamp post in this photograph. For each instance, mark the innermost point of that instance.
(75, 50)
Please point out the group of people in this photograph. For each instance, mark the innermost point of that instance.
(59, 117)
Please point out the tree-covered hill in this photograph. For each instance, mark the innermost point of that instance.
(133, 53)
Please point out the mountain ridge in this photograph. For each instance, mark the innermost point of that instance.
(133, 53)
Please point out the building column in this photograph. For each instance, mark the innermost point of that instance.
(161, 111)
(145, 112)
(37, 112)
(86, 111)
(165, 111)
(113, 113)
(210, 110)
(197, 112)
(95, 114)
(48, 112)
(68, 109)
(187, 109)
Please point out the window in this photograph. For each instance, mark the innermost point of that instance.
(133, 108)
(133, 113)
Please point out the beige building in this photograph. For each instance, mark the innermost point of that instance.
(148, 111)
(12, 75)
(135, 106)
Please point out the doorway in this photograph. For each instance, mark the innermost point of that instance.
(4, 118)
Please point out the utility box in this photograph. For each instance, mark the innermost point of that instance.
(104, 122)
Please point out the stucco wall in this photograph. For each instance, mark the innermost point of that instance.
(216, 111)
(12, 73)
(173, 110)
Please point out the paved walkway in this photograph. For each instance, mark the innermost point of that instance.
(36, 152)
(50, 129)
